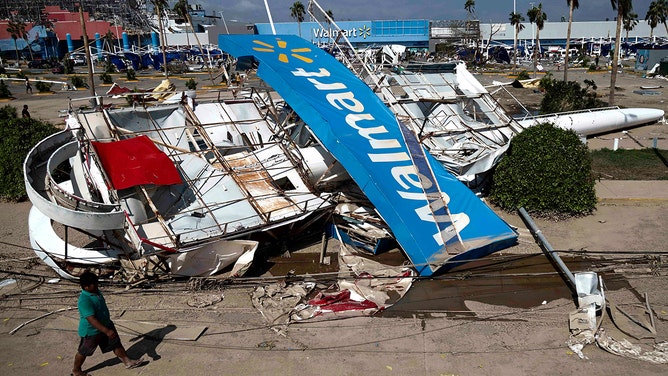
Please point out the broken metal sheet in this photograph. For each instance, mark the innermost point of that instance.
(212, 258)
(277, 301)
(226, 123)
(456, 118)
(584, 318)
(362, 228)
(587, 287)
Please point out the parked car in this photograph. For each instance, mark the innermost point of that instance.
(78, 58)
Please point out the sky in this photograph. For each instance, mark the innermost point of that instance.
(487, 11)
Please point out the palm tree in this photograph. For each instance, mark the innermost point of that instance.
(664, 14)
(516, 21)
(181, 9)
(17, 30)
(472, 30)
(623, 8)
(160, 6)
(653, 17)
(297, 12)
(630, 22)
(572, 4)
(470, 7)
(538, 17)
(661, 8)
(108, 39)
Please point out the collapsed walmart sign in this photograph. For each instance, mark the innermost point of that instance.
(433, 216)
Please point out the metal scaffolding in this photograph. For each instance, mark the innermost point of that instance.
(128, 12)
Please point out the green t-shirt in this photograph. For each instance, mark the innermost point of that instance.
(92, 305)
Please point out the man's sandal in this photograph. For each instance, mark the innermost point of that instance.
(135, 363)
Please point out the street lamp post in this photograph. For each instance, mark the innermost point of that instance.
(224, 23)
(271, 20)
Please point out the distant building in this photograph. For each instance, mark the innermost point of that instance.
(425, 34)
(126, 12)
(413, 34)
(554, 33)
(47, 40)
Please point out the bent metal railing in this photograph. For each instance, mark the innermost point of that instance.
(40, 189)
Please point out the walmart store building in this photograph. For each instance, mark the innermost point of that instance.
(413, 34)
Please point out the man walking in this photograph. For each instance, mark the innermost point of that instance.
(28, 86)
(95, 326)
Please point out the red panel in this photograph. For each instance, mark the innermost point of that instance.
(136, 161)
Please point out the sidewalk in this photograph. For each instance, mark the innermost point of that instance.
(632, 190)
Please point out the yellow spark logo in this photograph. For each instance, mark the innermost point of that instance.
(365, 31)
(283, 52)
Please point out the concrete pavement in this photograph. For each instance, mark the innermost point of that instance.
(632, 190)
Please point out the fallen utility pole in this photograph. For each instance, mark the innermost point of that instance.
(546, 247)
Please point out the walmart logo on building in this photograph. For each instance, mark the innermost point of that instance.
(283, 51)
(365, 31)
(353, 32)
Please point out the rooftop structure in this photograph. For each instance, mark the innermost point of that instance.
(124, 12)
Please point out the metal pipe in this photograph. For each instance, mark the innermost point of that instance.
(271, 20)
(545, 246)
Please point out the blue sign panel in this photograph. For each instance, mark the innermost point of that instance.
(433, 216)
(365, 32)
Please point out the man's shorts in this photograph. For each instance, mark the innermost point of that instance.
(87, 345)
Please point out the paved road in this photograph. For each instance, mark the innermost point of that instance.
(53, 106)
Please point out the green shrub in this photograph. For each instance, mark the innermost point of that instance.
(106, 78)
(191, 84)
(130, 74)
(4, 90)
(43, 87)
(523, 75)
(109, 67)
(547, 170)
(21, 75)
(561, 96)
(593, 67)
(7, 112)
(78, 82)
(585, 60)
(17, 137)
